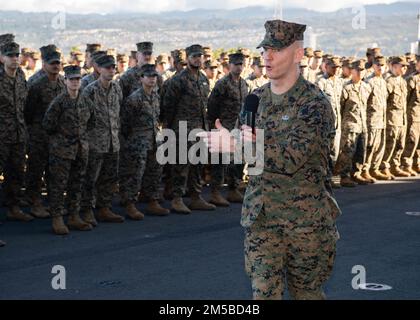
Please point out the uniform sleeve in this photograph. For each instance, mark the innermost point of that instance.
(170, 100)
(51, 117)
(126, 116)
(214, 103)
(32, 101)
(312, 132)
(390, 86)
(92, 120)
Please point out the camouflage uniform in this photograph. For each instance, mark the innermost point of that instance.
(396, 121)
(333, 87)
(288, 212)
(67, 121)
(225, 103)
(185, 99)
(376, 122)
(88, 79)
(41, 92)
(13, 92)
(255, 83)
(354, 132)
(412, 147)
(104, 145)
(138, 164)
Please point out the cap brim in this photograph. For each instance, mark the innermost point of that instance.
(72, 76)
(52, 60)
(107, 65)
(150, 74)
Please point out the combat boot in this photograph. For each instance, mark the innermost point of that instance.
(74, 222)
(132, 212)
(155, 209)
(217, 199)
(58, 226)
(416, 169)
(89, 217)
(242, 186)
(347, 182)
(178, 206)
(15, 214)
(410, 170)
(198, 203)
(38, 210)
(380, 176)
(106, 215)
(398, 172)
(388, 173)
(360, 180)
(366, 175)
(235, 196)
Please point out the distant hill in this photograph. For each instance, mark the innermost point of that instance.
(393, 27)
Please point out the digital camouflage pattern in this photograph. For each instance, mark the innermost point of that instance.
(67, 122)
(139, 169)
(288, 211)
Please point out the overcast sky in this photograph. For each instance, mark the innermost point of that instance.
(106, 6)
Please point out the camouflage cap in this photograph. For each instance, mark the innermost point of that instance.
(346, 62)
(304, 62)
(78, 56)
(71, 72)
(211, 64)
(379, 60)
(105, 61)
(258, 61)
(207, 51)
(399, 60)
(358, 65)
(145, 46)
(179, 56)
(111, 52)
(6, 38)
(10, 48)
(236, 58)
(281, 34)
(309, 52)
(373, 51)
(326, 57)
(194, 49)
(25, 51)
(121, 57)
(92, 47)
(50, 54)
(148, 70)
(318, 54)
(47, 49)
(97, 54)
(162, 58)
(333, 62)
(245, 51)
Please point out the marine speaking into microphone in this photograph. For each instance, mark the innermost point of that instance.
(288, 214)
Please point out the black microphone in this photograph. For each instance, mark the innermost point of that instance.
(250, 107)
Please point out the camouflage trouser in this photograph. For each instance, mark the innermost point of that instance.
(352, 154)
(12, 165)
(394, 147)
(184, 175)
(66, 176)
(139, 170)
(226, 173)
(38, 155)
(278, 251)
(375, 149)
(412, 147)
(102, 177)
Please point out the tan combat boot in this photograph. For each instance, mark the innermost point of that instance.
(347, 182)
(235, 196)
(74, 222)
(198, 203)
(217, 199)
(366, 175)
(388, 173)
(416, 169)
(178, 206)
(106, 215)
(360, 180)
(398, 172)
(15, 214)
(378, 175)
(89, 217)
(410, 170)
(58, 226)
(38, 210)
(155, 209)
(132, 212)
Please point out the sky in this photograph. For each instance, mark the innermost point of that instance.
(109, 6)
